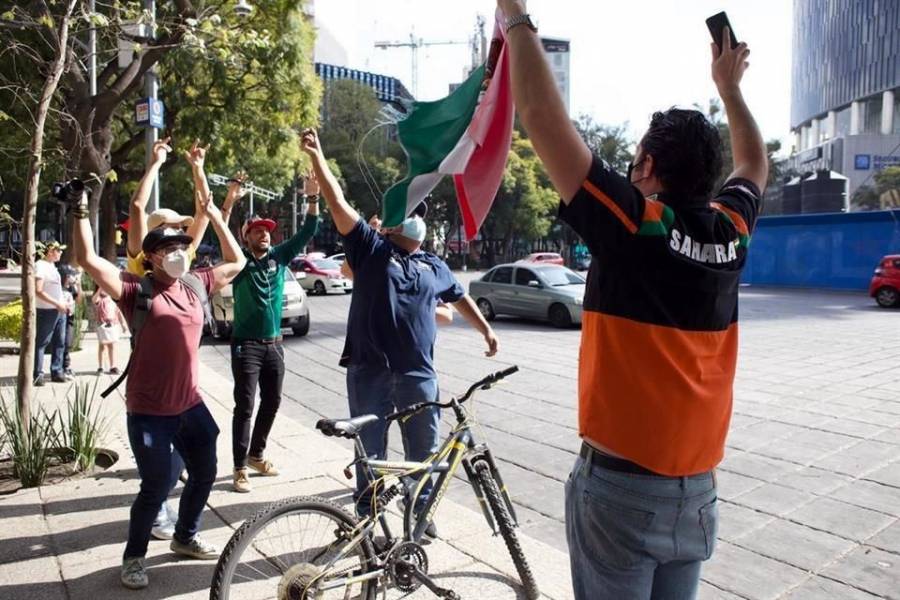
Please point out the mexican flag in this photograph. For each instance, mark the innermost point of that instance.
(466, 135)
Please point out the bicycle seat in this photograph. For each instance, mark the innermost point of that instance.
(346, 428)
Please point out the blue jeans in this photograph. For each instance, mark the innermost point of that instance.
(193, 434)
(378, 391)
(638, 537)
(50, 329)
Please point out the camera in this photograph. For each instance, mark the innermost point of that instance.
(70, 191)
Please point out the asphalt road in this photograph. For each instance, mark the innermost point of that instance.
(794, 347)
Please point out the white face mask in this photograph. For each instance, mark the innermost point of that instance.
(176, 263)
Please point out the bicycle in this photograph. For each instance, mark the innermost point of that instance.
(269, 556)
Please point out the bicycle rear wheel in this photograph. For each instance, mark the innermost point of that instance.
(281, 552)
(507, 529)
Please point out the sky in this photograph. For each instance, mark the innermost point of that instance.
(628, 58)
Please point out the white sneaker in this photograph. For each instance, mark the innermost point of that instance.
(133, 575)
(164, 525)
(196, 548)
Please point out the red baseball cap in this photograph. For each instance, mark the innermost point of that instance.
(258, 222)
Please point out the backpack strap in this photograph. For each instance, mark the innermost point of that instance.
(197, 286)
(138, 317)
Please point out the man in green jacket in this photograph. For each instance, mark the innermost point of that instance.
(257, 356)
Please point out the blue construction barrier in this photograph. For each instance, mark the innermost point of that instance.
(829, 251)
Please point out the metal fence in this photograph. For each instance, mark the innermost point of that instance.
(829, 251)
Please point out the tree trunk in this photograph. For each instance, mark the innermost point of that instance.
(108, 215)
(25, 379)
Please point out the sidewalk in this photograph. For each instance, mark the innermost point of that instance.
(65, 541)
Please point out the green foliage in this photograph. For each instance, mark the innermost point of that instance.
(85, 426)
(350, 110)
(609, 142)
(865, 198)
(244, 88)
(526, 202)
(31, 447)
(11, 321)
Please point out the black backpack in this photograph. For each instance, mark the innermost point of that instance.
(142, 309)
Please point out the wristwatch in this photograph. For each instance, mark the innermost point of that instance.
(520, 20)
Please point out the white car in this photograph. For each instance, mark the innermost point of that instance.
(294, 308)
(322, 275)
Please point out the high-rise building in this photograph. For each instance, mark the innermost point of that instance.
(845, 90)
(557, 53)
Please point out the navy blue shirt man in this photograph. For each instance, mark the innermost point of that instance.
(391, 329)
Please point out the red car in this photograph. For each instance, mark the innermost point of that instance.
(885, 285)
(544, 258)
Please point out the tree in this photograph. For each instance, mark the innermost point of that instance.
(239, 83)
(370, 160)
(52, 28)
(525, 204)
(715, 113)
(608, 142)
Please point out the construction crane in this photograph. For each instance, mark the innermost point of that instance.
(414, 44)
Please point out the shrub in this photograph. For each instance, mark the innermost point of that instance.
(85, 426)
(11, 321)
(31, 449)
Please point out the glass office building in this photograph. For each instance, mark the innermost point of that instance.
(845, 88)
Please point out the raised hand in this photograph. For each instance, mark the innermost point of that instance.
(196, 156)
(209, 207)
(236, 185)
(309, 142)
(729, 64)
(311, 184)
(160, 151)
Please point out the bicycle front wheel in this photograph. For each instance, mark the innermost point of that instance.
(507, 529)
(284, 551)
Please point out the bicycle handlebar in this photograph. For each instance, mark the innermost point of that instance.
(482, 384)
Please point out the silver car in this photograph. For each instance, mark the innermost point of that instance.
(294, 308)
(550, 292)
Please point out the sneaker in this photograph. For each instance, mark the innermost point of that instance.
(242, 480)
(39, 381)
(134, 576)
(100, 371)
(170, 512)
(196, 548)
(59, 379)
(114, 371)
(262, 466)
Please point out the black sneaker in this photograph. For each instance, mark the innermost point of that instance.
(59, 379)
(100, 371)
(114, 371)
(39, 381)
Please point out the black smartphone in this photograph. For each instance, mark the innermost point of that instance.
(716, 24)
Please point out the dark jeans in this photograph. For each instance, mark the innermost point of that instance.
(638, 537)
(378, 391)
(70, 341)
(254, 363)
(193, 433)
(51, 329)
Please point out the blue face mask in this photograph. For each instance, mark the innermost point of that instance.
(413, 228)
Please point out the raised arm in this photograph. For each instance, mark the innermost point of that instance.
(566, 157)
(233, 259)
(137, 209)
(234, 194)
(747, 147)
(105, 274)
(196, 157)
(287, 250)
(345, 216)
